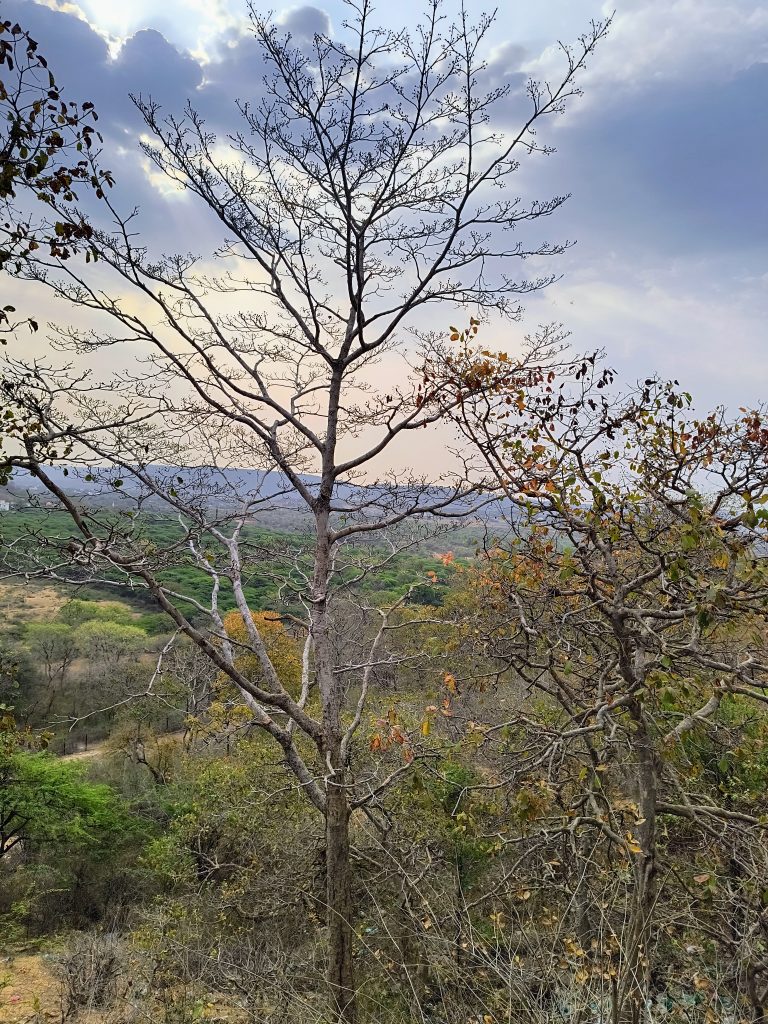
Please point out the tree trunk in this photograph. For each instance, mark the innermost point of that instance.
(637, 960)
(582, 902)
(341, 979)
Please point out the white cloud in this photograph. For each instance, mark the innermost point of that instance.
(83, 12)
(195, 25)
(679, 319)
(683, 39)
(666, 42)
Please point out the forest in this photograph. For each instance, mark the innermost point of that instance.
(484, 745)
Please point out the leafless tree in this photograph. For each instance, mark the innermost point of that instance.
(361, 189)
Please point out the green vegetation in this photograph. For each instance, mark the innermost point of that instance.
(39, 533)
(46, 801)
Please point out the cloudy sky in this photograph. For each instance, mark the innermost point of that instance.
(666, 154)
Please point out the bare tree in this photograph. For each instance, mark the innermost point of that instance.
(361, 188)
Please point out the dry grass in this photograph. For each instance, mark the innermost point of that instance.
(29, 602)
(30, 991)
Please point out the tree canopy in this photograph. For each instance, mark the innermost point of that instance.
(47, 800)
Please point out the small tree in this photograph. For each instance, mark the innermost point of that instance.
(74, 613)
(109, 642)
(55, 644)
(631, 597)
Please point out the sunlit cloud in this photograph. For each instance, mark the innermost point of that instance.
(661, 154)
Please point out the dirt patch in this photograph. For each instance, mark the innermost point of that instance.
(29, 602)
(30, 993)
(94, 750)
(29, 990)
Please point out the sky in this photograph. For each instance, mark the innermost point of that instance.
(665, 155)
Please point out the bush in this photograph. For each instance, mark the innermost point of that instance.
(76, 612)
(90, 972)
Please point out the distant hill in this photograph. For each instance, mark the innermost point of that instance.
(268, 493)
